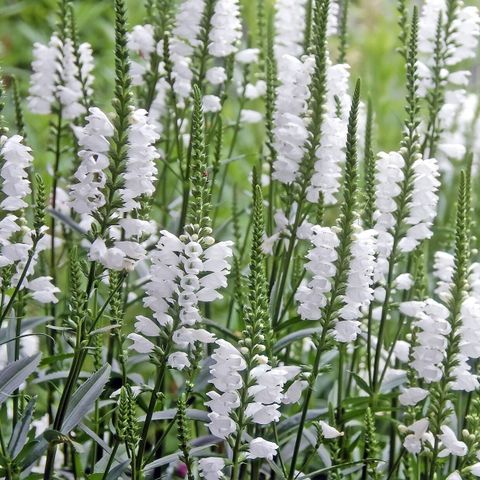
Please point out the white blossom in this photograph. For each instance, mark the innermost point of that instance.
(412, 396)
(289, 28)
(328, 431)
(261, 448)
(326, 177)
(43, 83)
(358, 293)
(423, 203)
(211, 468)
(140, 171)
(414, 441)
(57, 77)
(211, 103)
(225, 30)
(86, 195)
(431, 318)
(247, 56)
(290, 129)
(185, 39)
(443, 267)
(321, 264)
(216, 75)
(43, 290)
(451, 445)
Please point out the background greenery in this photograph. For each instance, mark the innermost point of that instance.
(372, 42)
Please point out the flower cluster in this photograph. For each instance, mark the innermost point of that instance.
(183, 273)
(359, 292)
(432, 322)
(388, 175)
(185, 39)
(290, 117)
(86, 193)
(225, 29)
(422, 205)
(57, 77)
(321, 264)
(326, 179)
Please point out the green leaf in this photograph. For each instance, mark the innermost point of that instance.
(84, 399)
(105, 329)
(14, 374)
(293, 337)
(20, 432)
(116, 473)
(362, 383)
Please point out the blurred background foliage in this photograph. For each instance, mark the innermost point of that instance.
(372, 53)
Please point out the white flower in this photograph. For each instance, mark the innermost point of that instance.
(211, 468)
(56, 77)
(211, 103)
(326, 178)
(289, 28)
(185, 39)
(225, 29)
(429, 353)
(294, 392)
(329, 432)
(141, 40)
(290, 130)
(475, 469)
(454, 476)
(140, 172)
(358, 293)
(423, 203)
(283, 229)
(225, 371)
(321, 264)
(178, 360)
(43, 83)
(262, 414)
(261, 448)
(140, 344)
(250, 116)
(253, 91)
(443, 271)
(451, 445)
(247, 56)
(216, 75)
(414, 441)
(413, 395)
(146, 327)
(221, 425)
(16, 160)
(223, 403)
(86, 194)
(70, 90)
(404, 281)
(43, 290)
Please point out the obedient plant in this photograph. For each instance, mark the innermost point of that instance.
(226, 262)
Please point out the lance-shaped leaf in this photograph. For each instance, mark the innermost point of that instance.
(14, 374)
(84, 399)
(20, 432)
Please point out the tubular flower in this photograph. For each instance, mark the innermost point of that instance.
(431, 318)
(290, 117)
(423, 204)
(327, 167)
(185, 39)
(321, 264)
(225, 30)
(86, 195)
(359, 292)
